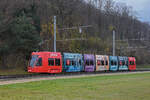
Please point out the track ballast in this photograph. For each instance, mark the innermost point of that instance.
(13, 77)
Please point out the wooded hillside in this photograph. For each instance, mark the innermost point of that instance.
(27, 26)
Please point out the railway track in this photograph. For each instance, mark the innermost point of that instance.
(13, 77)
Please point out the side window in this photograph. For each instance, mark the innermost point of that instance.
(91, 62)
(120, 63)
(102, 62)
(115, 63)
(126, 63)
(98, 62)
(50, 61)
(57, 62)
(123, 62)
(132, 63)
(106, 62)
(112, 63)
(39, 62)
(87, 62)
(73, 63)
(80, 62)
(68, 62)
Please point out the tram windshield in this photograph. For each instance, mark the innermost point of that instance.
(33, 60)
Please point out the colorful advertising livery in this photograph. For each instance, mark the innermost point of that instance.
(55, 62)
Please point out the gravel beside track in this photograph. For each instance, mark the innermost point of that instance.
(4, 80)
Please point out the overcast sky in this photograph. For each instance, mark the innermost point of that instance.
(142, 7)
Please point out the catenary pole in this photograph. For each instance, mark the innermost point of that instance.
(54, 33)
(113, 42)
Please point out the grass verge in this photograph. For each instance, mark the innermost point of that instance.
(115, 87)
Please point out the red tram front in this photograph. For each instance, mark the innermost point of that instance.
(132, 63)
(45, 62)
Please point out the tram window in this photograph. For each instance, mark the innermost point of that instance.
(126, 63)
(120, 63)
(115, 63)
(91, 62)
(73, 63)
(68, 62)
(123, 62)
(51, 62)
(106, 62)
(87, 62)
(57, 62)
(131, 62)
(112, 63)
(33, 60)
(80, 62)
(39, 62)
(102, 62)
(98, 62)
